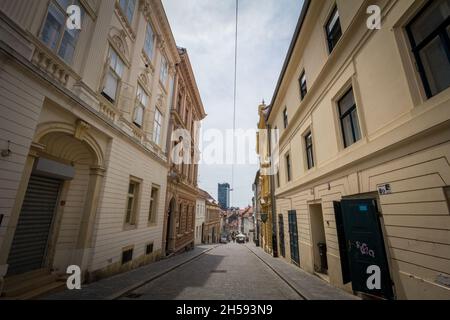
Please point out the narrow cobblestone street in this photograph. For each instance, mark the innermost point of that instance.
(228, 272)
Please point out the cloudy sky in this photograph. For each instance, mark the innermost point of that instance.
(206, 28)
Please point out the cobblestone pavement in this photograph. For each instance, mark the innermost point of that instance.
(228, 271)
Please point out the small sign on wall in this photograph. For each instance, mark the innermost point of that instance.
(384, 189)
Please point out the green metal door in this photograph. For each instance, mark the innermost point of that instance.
(293, 236)
(369, 269)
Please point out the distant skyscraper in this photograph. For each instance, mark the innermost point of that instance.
(224, 195)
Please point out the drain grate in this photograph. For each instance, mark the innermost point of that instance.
(218, 271)
(133, 295)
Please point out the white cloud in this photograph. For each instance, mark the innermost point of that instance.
(206, 29)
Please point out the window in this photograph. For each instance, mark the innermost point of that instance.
(429, 35)
(127, 7)
(333, 29)
(349, 119)
(132, 199)
(288, 167)
(153, 205)
(276, 135)
(55, 33)
(285, 118)
(157, 127)
(149, 41)
(164, 70)
(127, 255)
(149, 248)
(141, 103)
(309, 150)
(113, 76)
(303, 88)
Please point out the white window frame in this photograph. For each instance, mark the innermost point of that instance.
(115, 69)
(63, 30)
(149, 49)
(164, 71)
(141, 104)
(157, 126)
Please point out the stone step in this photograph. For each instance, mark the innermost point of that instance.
(50, 288)
(23, 277)
(28, 285)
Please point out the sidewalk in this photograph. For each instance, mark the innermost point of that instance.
(307, 285)
(116, 286)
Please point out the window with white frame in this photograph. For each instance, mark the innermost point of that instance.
(333, 29)
(164, 70)
(127, 7)
(132, 198)
(113, 76)
(149, 41)
(54, 32)
(153, 204)
(429, 34)
(157, 127)
(141, 103)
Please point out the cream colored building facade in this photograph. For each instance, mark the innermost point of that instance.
(357, 119)
(200, 215)
(85, 115)
(185, 116)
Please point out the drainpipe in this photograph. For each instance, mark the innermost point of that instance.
(272, 200)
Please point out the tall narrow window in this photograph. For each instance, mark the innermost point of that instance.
(153, 205)
(157, 127)
(278, 178)
(141, 103)
(55, 33)
(303, 87)
(285, 118)
(127, 7)
(113, 76)
(288, 167)
(132, 198)
(333, 29)
(164, 70)
(429, 35)
(149, 41)
(348, 115)
(309, 150)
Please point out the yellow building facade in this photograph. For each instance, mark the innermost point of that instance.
(364, 120)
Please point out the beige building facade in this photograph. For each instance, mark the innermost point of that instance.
(186, 114)
(200, 216)
(364, 138)
(85, 115)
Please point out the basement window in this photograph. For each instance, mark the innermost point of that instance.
(149, 248)
(127, 256)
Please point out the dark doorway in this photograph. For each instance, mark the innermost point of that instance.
(169, 227)
(30, 242)
(281, 234)
(361, 235)
(293, 236)
(318, 238)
